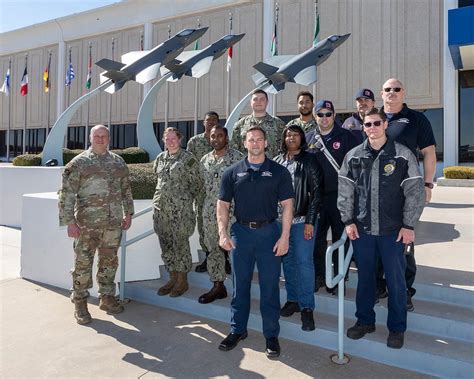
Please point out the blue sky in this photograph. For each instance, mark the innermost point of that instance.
(15, 14)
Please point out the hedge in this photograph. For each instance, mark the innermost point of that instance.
(142, 180)
(459, 172)
(129, 155)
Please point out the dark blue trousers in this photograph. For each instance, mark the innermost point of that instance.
(366, 249)
(255, 245)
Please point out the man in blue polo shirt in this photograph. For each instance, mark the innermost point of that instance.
(412, 129)
(365, 101)
(256, 184)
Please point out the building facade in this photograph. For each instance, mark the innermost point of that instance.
(401, 38)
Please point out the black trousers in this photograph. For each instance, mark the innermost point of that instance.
(410, 274)
(329, 217)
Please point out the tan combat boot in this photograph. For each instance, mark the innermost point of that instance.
(109, 304)
(181, 285)
(81, 313)
(166, 289)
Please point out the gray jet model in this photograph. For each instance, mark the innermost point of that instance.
(142, 66)
(301, 68)
(197, 63)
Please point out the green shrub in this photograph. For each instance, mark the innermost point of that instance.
(459, 172)
(68, 154)
(142, 180)
(27, 160)
(133, 155)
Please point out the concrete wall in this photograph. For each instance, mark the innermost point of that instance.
(47, 254)
(17, 181)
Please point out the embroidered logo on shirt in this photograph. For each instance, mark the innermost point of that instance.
(403, 120)
(240, 174)
(267, 173)
(336, 145)
(389, 168)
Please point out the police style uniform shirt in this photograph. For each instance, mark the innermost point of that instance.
(338, 142)
(412, 129)
(256, 193)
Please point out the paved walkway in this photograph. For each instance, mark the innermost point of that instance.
(39, 336)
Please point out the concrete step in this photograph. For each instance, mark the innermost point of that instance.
(445, 357)
(443, 320)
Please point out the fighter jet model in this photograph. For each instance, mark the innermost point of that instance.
(197, 63)
(301, 68)
(142, 66)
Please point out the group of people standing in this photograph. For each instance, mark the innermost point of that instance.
(268, 195)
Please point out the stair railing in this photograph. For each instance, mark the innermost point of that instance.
(123, 249)
(331, 282)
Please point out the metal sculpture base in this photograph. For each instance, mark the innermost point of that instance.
(336, 359)
(145, 133)
(53, 147)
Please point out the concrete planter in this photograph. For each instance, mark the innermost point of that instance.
(455, 182)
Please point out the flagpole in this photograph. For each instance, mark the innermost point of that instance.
(109, 117)
(167, 99)
(68, 80)
(227, 103)
(274, 98)
(315, 40)
(9, 113)
(49, 94)
(86, 139)
(196, 89)
(26, 109)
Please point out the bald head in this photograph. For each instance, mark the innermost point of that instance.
(99, 138)
(393, 95)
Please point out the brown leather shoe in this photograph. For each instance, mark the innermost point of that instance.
(81, 313)
(181, 285)
(166, 289)
(109, 304)
(218, 291)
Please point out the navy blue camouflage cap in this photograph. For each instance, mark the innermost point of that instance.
(365, 93)
(323, 104)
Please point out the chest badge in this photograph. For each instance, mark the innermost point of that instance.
(389, 168)
(336, 145)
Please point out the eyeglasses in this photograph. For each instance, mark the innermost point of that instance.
(327, 114)
(394, 89)
(375, 124)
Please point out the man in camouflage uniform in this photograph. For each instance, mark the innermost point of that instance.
(200, 145)
(212, 167)
(174, 220)
(273, 126)
(305, 106)
(95, 202)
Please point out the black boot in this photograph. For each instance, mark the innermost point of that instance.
(203, 266)
(217, 292)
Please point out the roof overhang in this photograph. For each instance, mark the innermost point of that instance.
(461, 37)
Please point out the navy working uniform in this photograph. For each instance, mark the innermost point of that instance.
(256, 192)
(381, 192)
(338, 142)
(412, 129)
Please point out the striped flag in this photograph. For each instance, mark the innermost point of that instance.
(229, 50)
(70, 75)
(24, 83)
(46, 75)
(6, 84)
(274, 47)
(316, 28)
(89, 70)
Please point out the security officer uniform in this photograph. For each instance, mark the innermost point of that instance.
(256, 193)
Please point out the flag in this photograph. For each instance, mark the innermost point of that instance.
(6, 84)
(70, 74)
(89, 71)
(24, 83)
(229, 58)
(274, 48)
(196, 44)
(46, 75)
(316, 29)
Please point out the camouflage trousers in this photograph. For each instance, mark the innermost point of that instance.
(174, 229)
(106, 241)
(216, 257)
(202, 238)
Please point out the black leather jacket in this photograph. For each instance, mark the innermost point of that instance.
(308, 185)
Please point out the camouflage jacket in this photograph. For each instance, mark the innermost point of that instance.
(273, 126)
(306, 126)
(178, 180)
(199, 146)
(212, 168)
(95, 191)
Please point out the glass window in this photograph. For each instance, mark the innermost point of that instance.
(466, 117)
(435, 117)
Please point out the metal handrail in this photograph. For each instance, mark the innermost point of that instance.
(123, 249)
(331, 282)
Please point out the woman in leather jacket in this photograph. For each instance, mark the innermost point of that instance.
(298, 264)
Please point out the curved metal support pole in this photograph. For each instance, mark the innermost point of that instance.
(145, 133)
(53, 147)
(235, 114)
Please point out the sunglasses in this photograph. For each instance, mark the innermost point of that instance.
(375, 124)
(395, 89)
(327, 114)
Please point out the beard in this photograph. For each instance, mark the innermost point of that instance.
(306, 113)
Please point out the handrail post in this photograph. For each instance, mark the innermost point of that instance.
(123, 255)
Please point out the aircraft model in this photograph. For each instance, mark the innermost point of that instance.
(142, 66)
(197, 63)
(301, 68)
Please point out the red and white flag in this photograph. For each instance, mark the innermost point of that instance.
(229, 58)
(24, 83)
